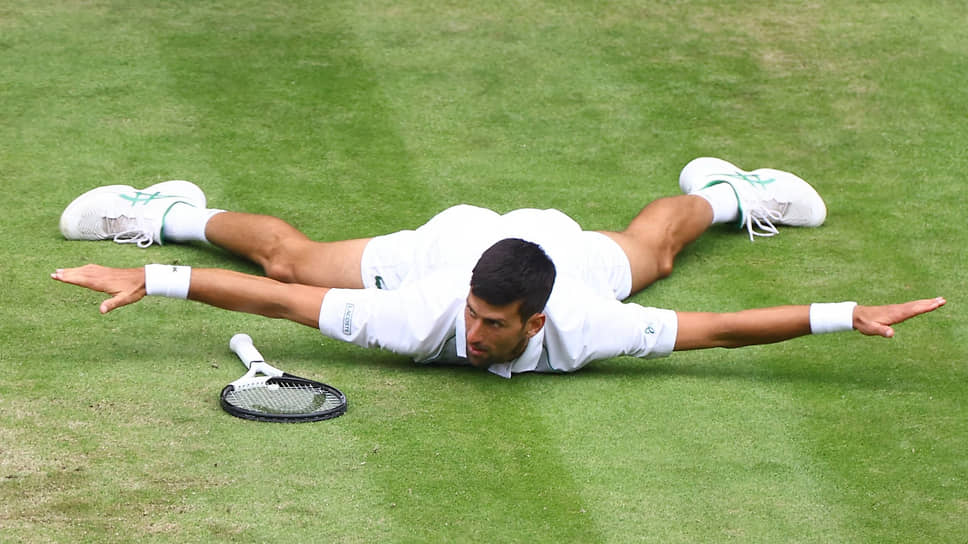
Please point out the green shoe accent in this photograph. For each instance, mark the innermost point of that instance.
(146, 198)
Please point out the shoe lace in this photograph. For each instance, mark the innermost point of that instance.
(759, 217)
(763, 217)
(130, 230)
(140, 237)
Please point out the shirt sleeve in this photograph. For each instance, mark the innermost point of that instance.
(589, 327)
(415, 320)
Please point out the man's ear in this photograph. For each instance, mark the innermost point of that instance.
(534, 324)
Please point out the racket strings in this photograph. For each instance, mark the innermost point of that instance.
(283, 398)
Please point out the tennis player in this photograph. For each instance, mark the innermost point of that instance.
(526, 291)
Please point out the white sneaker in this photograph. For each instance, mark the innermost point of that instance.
(767, 197)
(125, 214)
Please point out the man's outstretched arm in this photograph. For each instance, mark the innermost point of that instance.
(768, 325)
(222, 288)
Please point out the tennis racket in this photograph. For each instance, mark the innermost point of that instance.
(266, 393)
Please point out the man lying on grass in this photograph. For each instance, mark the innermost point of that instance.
(521, 292)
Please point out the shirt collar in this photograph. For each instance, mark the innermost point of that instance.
(526, 362)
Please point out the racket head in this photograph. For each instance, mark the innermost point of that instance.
(282, 399)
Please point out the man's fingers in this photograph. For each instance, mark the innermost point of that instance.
(59, 275)
(918, 307)
(118, 301)
(874, 328)
(878, 320)
(934, 304)
(84, 276)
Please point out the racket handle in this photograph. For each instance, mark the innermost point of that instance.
(242, 345)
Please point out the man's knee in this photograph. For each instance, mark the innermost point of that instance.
(282, 261)
(649, 255)
(664, 265)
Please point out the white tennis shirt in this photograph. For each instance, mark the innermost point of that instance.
(425, 320)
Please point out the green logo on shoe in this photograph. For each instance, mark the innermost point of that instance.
(146, 198)
(753, 179)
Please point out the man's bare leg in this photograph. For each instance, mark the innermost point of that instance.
(658, 233)
(714, 190)
(285, 253)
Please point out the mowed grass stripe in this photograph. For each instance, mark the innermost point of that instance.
(462, 456)
(87, 93)
(294, 120)
(72, 95)
(339, 171)
(693, 447)
(516, 106)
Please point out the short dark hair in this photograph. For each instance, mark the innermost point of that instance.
(511, 270)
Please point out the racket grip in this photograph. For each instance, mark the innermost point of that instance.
(242, 345)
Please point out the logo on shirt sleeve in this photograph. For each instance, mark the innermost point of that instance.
(348, 319)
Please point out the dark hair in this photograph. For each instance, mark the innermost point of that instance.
(512, 270)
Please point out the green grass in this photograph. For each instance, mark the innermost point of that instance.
(357, 118)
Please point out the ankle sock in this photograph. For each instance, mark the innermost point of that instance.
(723, 200)
(186, 223)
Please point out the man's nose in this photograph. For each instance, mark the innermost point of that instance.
(473, 332)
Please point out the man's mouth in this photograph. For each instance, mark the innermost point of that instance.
(476, 351)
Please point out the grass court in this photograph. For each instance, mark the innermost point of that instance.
(354, 119)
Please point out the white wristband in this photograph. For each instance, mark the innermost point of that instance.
(833, 317)
(165, 280)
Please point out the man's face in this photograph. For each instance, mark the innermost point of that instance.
(495, 334)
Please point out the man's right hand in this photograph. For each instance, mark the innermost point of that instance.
(125, 285)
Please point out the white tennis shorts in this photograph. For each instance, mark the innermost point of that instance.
(456, 237)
